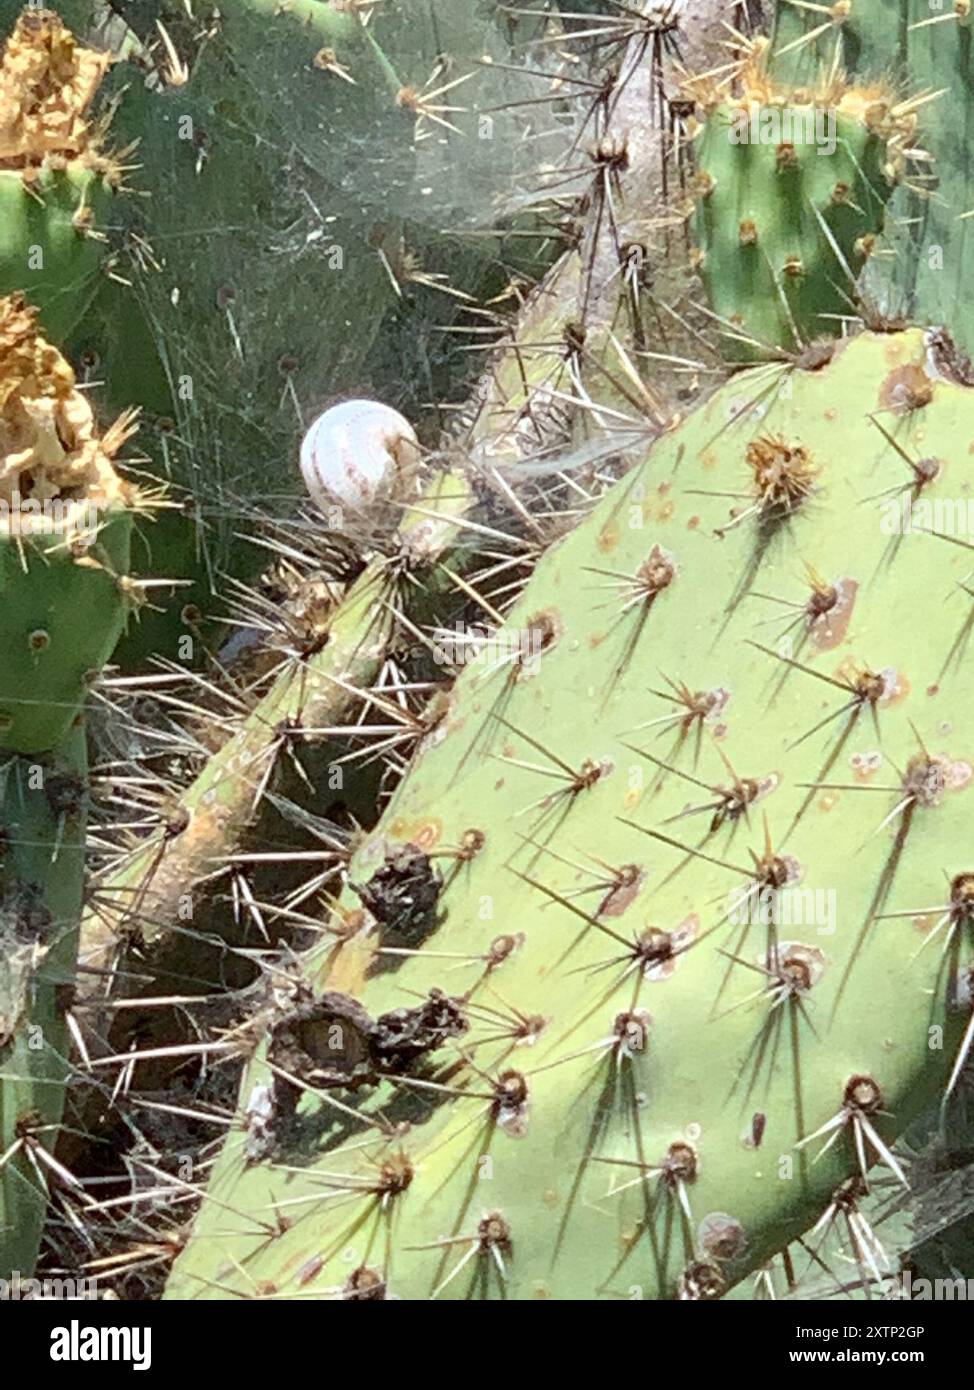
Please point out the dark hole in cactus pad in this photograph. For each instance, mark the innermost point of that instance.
(333, 1041)
(325, 1042)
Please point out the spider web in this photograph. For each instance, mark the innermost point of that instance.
(297, 233)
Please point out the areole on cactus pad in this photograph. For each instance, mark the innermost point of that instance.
(665, 936)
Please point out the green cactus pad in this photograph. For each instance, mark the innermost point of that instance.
(926, 268)
(65, 533)
(790, 195)
(45, 247)
(544, 1056)
(42, 815)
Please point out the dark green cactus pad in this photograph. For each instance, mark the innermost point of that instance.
(43, 804)
(61, 615)
(791, 189)
(928, 51)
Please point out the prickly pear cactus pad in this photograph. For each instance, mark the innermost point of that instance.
(790, 193)
(42, 829)
(66, 520)
(56, 178)
(931, 224)
(665, 937)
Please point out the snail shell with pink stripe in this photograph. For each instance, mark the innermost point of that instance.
(358, 453)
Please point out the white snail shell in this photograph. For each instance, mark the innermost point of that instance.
(357, 453)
